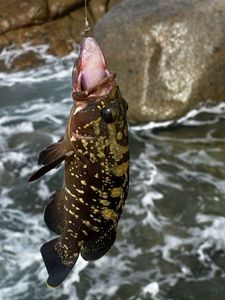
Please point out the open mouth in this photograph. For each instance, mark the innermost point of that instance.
(91, 70)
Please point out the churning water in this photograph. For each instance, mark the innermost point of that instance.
(171, 238)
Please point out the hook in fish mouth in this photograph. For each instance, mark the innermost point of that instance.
(90, 72)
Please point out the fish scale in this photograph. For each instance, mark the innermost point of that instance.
(86, 210)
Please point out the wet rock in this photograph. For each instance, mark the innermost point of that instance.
(169, 54)
(59, 24)
(60, 7)
(25, 61)
(97, 8)
(3, 67)
(16, 13)
(15, 59)
(3, 41)
(60, 35)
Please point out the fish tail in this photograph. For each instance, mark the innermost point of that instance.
(59, 260)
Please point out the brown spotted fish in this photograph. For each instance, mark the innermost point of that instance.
(85, 212)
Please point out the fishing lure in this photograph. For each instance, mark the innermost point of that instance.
(85, 212)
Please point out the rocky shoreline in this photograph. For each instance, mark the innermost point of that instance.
(56, 23)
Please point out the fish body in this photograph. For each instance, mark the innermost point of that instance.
(85, 212)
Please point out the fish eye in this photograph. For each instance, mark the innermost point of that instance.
(108, 115)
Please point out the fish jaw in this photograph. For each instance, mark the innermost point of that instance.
(91, 70)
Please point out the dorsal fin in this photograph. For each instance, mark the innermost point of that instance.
(51, 157)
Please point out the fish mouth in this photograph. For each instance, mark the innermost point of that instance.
(91, 77)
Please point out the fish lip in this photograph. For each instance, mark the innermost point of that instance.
(88, 94)
(90, 70)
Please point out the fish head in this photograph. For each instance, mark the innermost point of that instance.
(90, 70)
(98, 103)
(100, 118)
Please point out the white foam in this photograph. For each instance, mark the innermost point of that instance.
(52, 68)
(5, 200)
(152, 215)
(27, 116)
(9, 292)
(3, 145)
(43, 190)
(1, 167)
(27, 108)
(27, 170)
(147, 178)
(188, 119)
(211, 236)
(54, 119)
(109, 271)
(14, 157)
(171, 243)
(14, 129)
(148, 199)
(152, 289)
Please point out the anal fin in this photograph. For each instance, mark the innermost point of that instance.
(57, 261)
(97, 246)
(54, 214)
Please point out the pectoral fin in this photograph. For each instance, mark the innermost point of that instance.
(54, 214)
(46, 168)
(51, 153)
(98, 245)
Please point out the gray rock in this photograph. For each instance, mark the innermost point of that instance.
(111, 3)
(169, 54)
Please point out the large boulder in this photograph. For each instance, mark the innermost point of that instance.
(169, 54)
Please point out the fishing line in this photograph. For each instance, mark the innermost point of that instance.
(87, 27)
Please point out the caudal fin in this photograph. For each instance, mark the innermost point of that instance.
(58, 261)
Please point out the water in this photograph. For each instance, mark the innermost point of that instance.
(171, 237)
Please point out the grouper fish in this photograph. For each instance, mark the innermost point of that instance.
(85, 211)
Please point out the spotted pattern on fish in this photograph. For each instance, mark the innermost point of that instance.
(103, 168)
(86, 211)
